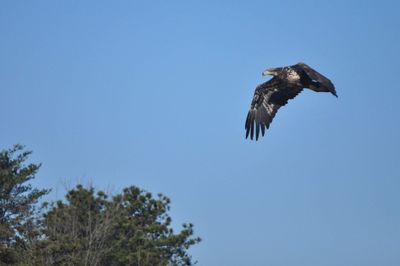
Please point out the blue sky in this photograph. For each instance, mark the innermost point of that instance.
(155, 93)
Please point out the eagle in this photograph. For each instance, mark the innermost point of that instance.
(286, 83)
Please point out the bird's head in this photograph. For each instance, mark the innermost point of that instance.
(272, 71)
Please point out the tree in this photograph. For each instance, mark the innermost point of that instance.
(76, 230)
(17, 204)
(87, 228)
(131, 228)
(143, 233)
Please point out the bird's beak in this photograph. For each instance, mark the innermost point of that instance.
(266, 72)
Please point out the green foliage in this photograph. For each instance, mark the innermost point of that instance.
(88, 227)
(143, 233)
(17, 204)
(132, 228)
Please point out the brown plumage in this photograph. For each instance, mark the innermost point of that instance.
(285, 84)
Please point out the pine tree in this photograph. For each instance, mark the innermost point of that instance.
(131, 228)
(17, 204)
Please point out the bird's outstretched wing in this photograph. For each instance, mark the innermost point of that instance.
(321, 83)
(268, 98)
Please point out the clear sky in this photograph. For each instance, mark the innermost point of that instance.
(155, 94)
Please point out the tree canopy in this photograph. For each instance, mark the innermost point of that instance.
(17, 204)
(88, 227)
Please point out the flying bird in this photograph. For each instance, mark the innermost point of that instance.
(286, 83)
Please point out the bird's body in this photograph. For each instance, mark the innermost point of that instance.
(285, 84)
